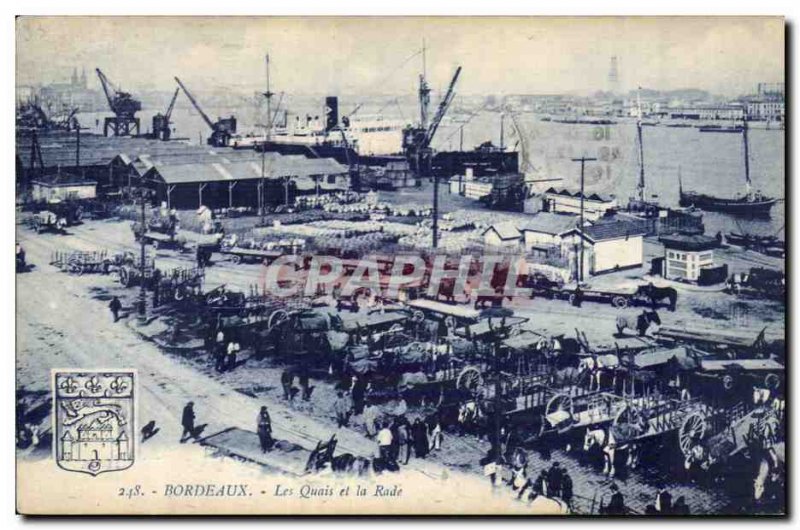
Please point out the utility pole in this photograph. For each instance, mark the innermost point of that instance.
(262, 192)
(502, 120)
(461, 138)
(78, 147)
(435, 211)
(583, 161)
(142, 259)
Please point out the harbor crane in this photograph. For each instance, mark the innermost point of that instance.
(417, 140)
(221, 130)
(123, 105)
(161, 122)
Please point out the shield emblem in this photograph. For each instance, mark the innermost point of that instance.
(94, 420)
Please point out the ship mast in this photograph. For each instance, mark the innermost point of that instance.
(640, 187)
(748, 184)
(424, 92)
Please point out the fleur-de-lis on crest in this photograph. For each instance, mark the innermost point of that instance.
(93, 385)
(119, 385)
(68, 385)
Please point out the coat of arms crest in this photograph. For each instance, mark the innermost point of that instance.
(94, 420)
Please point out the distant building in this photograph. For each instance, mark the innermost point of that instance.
(544, 231)
(562, 200)
(62, 187)
(608, 246)
(686, 256)
(503, 234)
(726, 111)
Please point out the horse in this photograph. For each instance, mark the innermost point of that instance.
(641, 324)
(657, 294)
(771, 468)
(321, 458)
(596, 364)
(608, 444)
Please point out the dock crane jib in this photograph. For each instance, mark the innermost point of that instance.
(161, 122)
(221, 130)
(123, 105)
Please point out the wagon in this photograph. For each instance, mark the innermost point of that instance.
(82, 262)
(620, 297)
(250, 255)
(48, 221)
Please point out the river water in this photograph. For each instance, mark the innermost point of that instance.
(706, 162)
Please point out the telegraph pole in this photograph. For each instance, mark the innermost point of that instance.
(583, 161)
(262, 192)
(142, 258)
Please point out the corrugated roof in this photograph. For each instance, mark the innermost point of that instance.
(301, 169)
(550, 223)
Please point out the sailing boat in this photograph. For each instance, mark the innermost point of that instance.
(752, 204)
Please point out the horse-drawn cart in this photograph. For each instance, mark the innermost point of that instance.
(82, 262)
(238, 254)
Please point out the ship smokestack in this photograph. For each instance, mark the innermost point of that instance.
(331, 112)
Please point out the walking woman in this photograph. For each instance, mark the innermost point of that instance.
(264, 430)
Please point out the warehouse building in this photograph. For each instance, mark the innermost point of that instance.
(182, 175)
(238, 184)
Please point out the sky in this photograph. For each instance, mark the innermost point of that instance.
(368, 55)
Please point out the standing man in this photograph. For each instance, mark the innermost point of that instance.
(555, 478)
(341, 407)
(264, 424)
(187, 421)
(578, 299)
(115, 305)
(616, 506)
(385, 443)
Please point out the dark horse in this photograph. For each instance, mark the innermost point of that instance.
(322, 457)
(657, 294)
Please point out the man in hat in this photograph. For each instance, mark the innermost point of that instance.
(115, 305)
(187, 421)
(616, 506)
(264, 425)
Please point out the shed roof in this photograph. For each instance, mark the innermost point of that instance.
(505, 230)
(564, 192)
(608, 230)
(550, 223)
(301, 168)
(689, 242)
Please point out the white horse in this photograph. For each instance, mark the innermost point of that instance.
(606, 441)
(596, 365)
(770, 469)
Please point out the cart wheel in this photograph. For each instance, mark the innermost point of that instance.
(236, 259)
(727, 382)
(179, 295)
(571, 299)
(772, 381)
(276, 318)
(620, 302)
(450, 323)
(75, 268)
(627, 415)
(557, 403)
(692, 431)
(156, 244)
(418, 316)
(470, 379)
